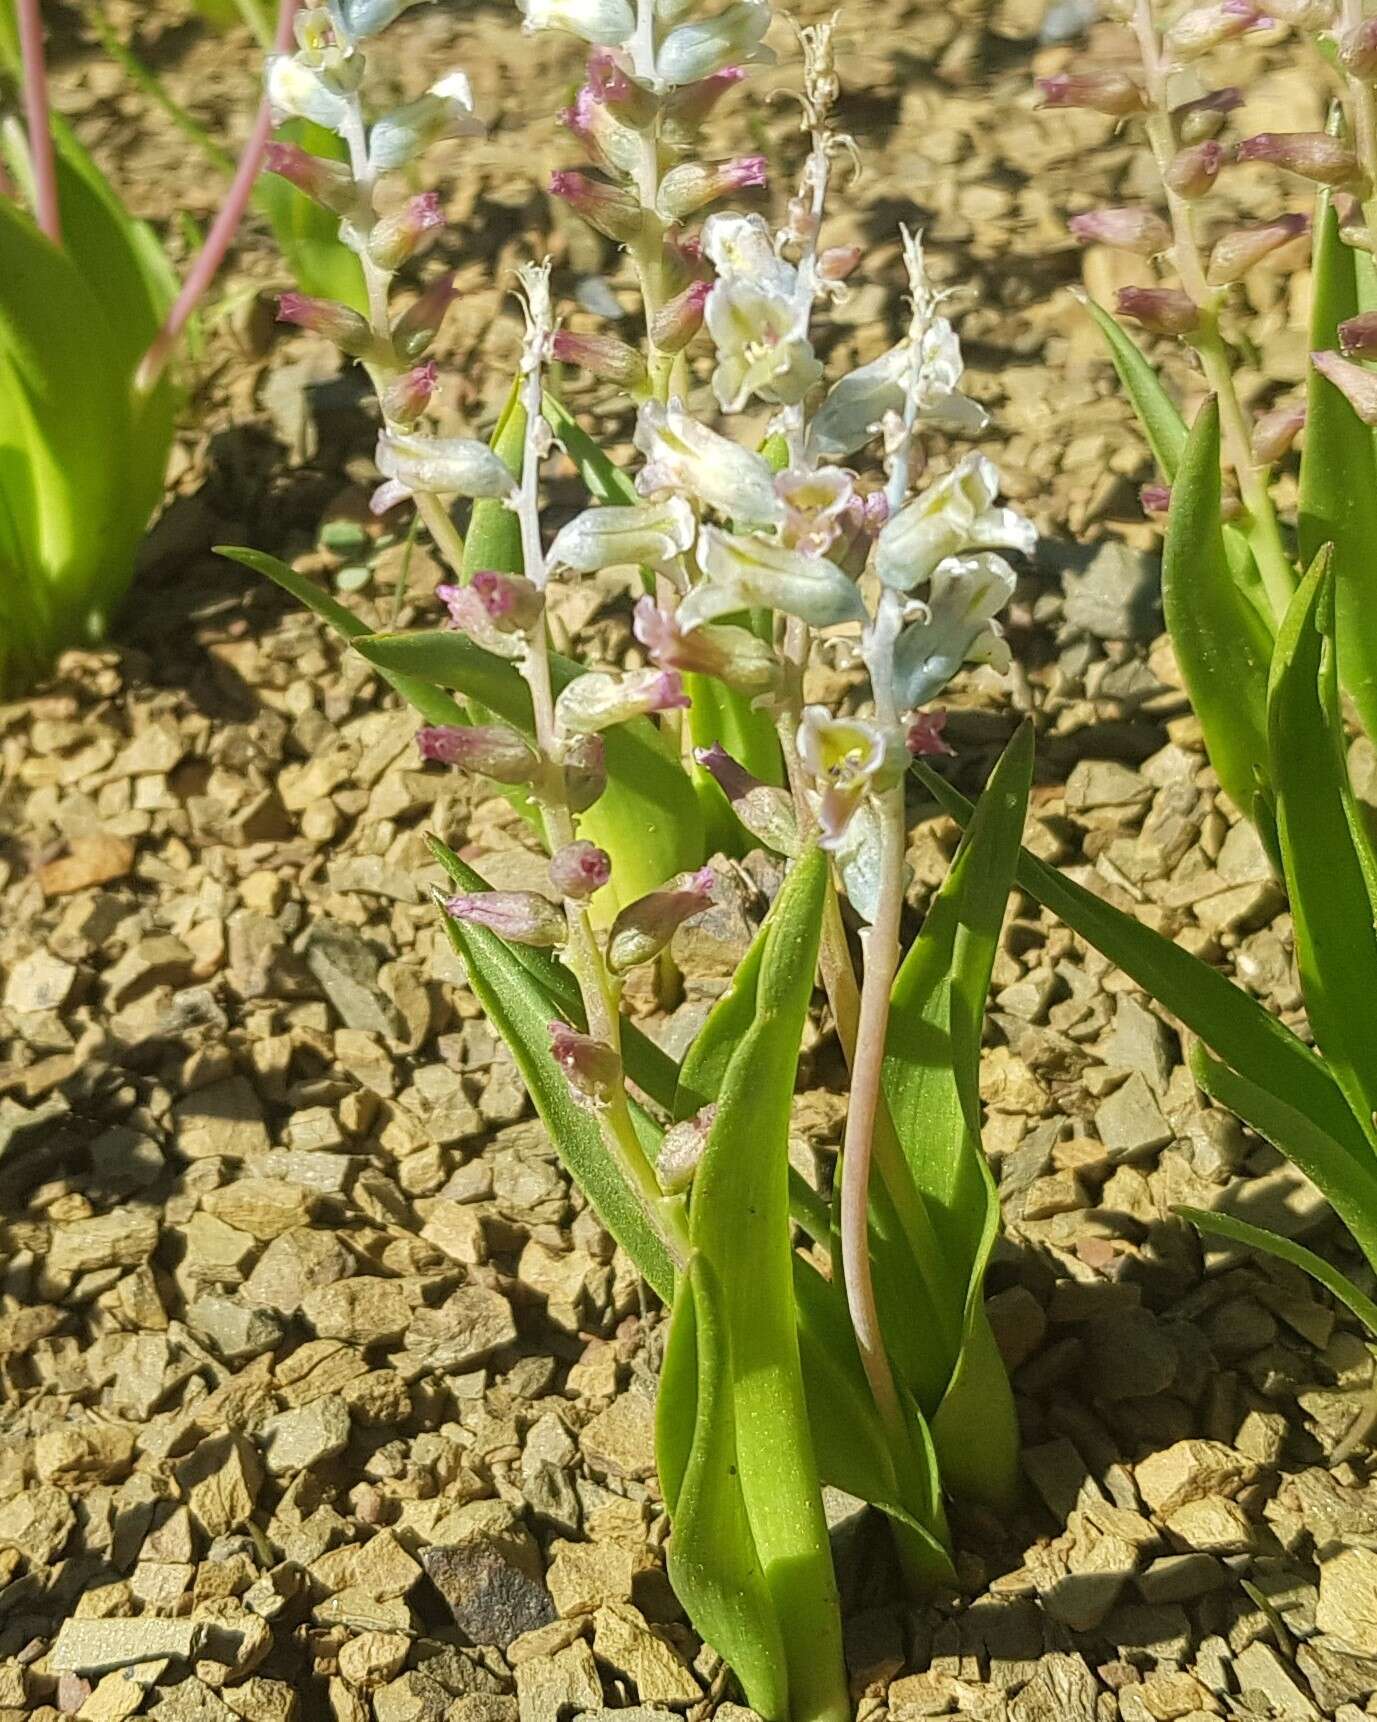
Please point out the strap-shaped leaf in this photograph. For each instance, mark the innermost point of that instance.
(1338, 473)
(739, 1222)
(1336, 950)
(713, 1561)
(1230, 1022)
(493, 539)
(1221, 644)
(1235, 1231)
(602, 477)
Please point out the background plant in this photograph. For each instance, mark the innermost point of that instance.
(864, 1358)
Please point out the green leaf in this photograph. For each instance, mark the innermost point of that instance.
(1220, 641)
(739, 1222)
(1235, 1231)
(493, 539)
(1235, 1026)
(1336, 951)
(307, 233)
(1162, 423)
(1338, 473)
(713, 1562)
(603, 479)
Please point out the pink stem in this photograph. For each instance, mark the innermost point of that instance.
(36, 120)
(226, 224)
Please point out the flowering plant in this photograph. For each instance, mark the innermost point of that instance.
(832, 1335)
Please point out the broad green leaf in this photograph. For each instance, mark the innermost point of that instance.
(713, 1561)
(1338, 473)
(1220, 641)
(1235, 1231)
(518, 1009)
(1336, 950)
(648, 820)
(307, 233)
(493, 539)
(1349, 1185)
(739, 1222)
(1234, 1025)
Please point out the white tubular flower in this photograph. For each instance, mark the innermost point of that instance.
(606, 22)
(818, 501)
(651, 532)
(733, 38)
(966, 594)
(740, 572)
(685, 456)
(597, 700)
(953, 515)
(852, 412)
(447, 466)
(848, 757)
(445, 111)
(757, 314)
(301, 92)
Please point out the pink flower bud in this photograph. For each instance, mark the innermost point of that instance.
(1163, 310)
(328, 182)
(733, 655)
(1236, 253)
(606, 140)
(420, 323)
(690, 104)
(604, 356)
(607, 207)
(643, 929)
(1131, 229)
(519, 917)
(511, 600)
(611, 83)
(1357, 385)
(766, 811)
(592, 1069)
(597, 700)
(691, 186)
(1275, 431)
(349, 332)
(838, 262)
(1105, 92)
(397, 236)
(1193, 170)
(472, 614)
(679, 319)
(1358, 50)
(1205, 27)
(1156, 499)
(1204, 117)
(681, 1148)
(1315, 155)
(491, 750)
(924, 738)
(585, 771)
(579, 869)
(1358, 336)
(405, 398)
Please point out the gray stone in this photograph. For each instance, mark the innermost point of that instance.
(1062, 1690)
(1114, 595)
(346, 967)
(236, 1330)
(1139, 1041)
(96, 1646)
(1129, 1356)
(39, 982)
(489, 1589)
(296, 1440)
(1130, 1122)
(1337, 1674)
(222, 1120)
(1258, 1669)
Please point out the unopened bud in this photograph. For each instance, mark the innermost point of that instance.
(405, 398)
(1358, 336)
(1193, 170)
(420, 323)
(681, 1148)
(1275, 431)
(510, 600)
(444, 111)
(1357, 385)
(733, 655)
(1163, 310)
(610, 82)
(469, 614)
(592, 1069)
(1358, 50)
(519, 917)
(396, 237)
(603, 356)
(350, 332)
(924, 738)
(1205, 27)
(598, 700)
(687, 107)
(491, 750)
(579, 869)
(1155, 499)
(606, 140)
(765, 810)
(1315, 155)
(585, 772)
(327, 182)
(609, 208)
(1204, 117)
(838, 262)
(643, 928)
(679, 319)
(1112, 93)
(1236, 253)
(442, 465)
(1134, 229)
(693, 185)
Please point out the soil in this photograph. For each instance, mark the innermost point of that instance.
(322, 1391)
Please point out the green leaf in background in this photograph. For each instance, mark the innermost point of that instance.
(739, 1223)
(307, 233)
(1219, 639)
(493, 539)
(1336, 950)
(603, 479)
(1338, 473)
(1236, 1231)
(713, 1561)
